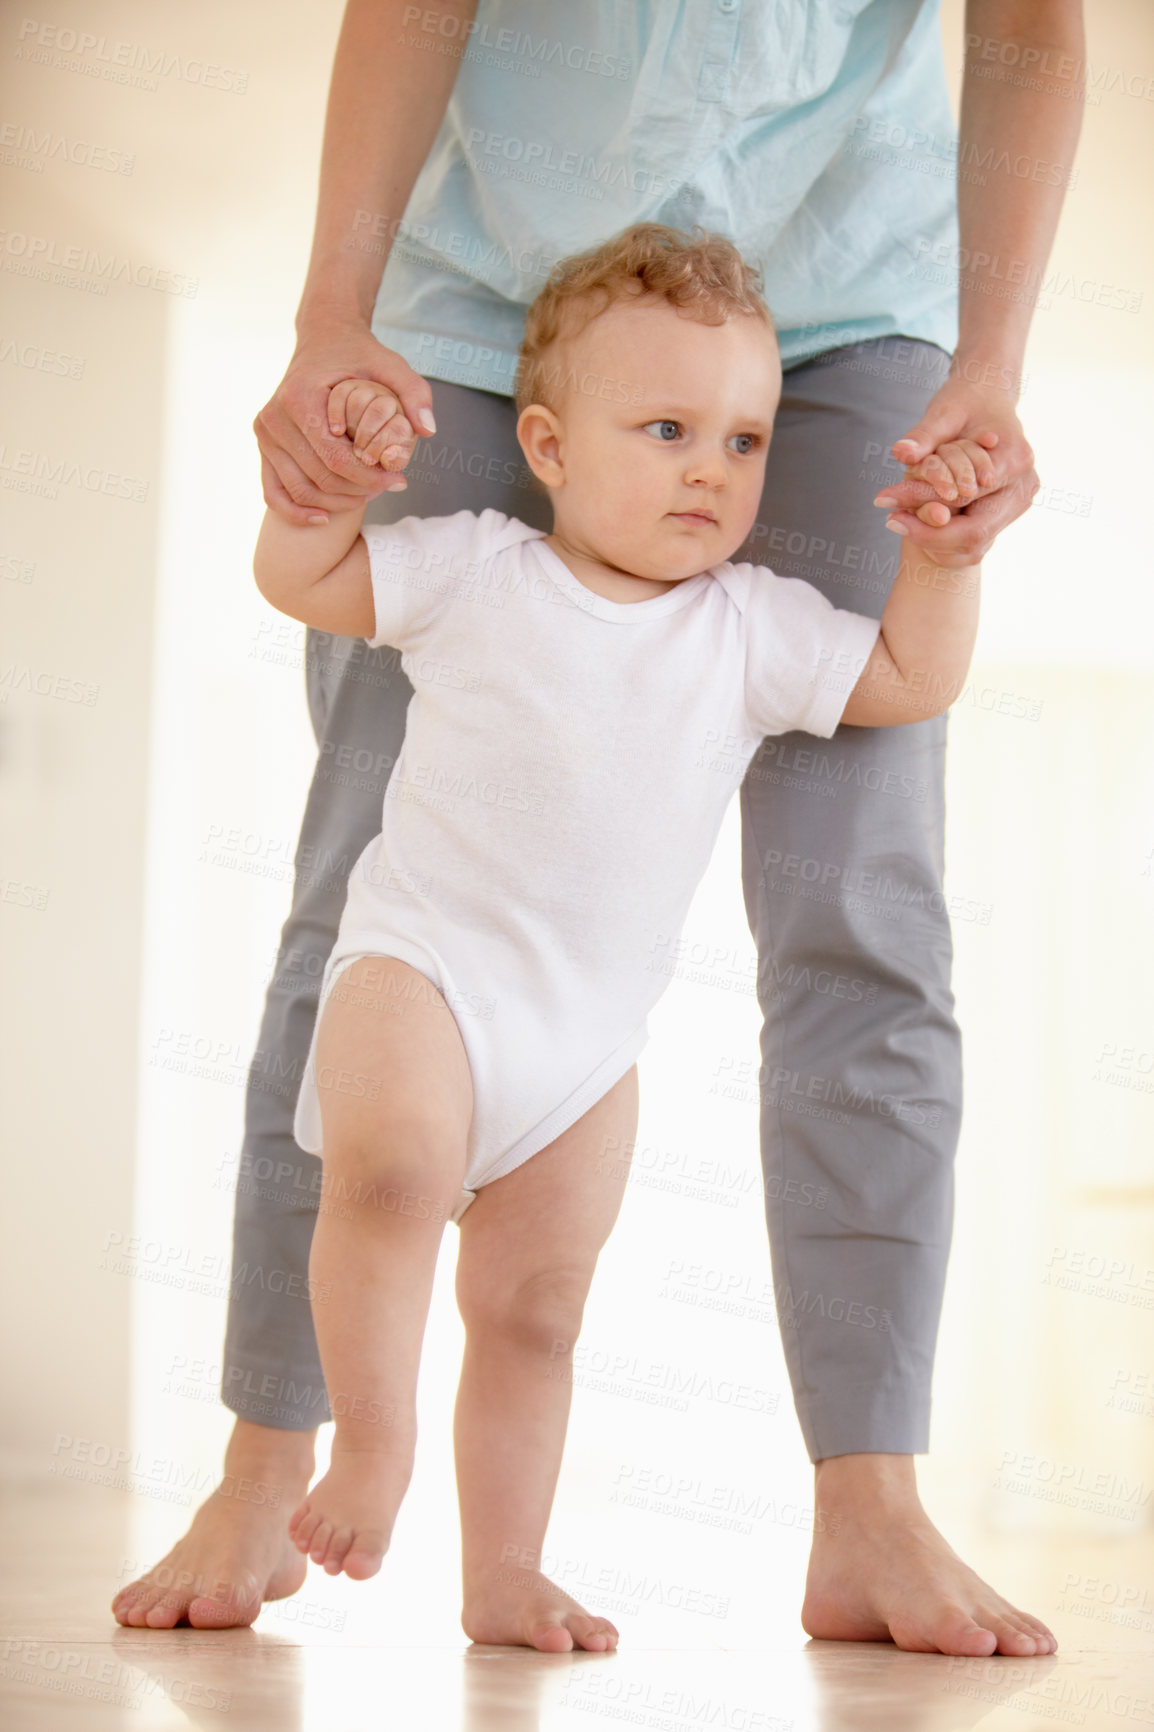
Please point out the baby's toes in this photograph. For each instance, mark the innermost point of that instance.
(553, 1636)
(363, 1558)
(339, 1544)
(318, 1551)
(303, 1526)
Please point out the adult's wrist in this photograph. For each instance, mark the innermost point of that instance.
(320, 314)
(994, 369)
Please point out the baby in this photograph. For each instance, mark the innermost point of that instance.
(552, 811)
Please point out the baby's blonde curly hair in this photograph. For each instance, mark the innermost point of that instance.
(698, 269)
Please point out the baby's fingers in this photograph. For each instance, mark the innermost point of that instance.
(982, 466)
(959, 471)
(937, 472)
(349, 400)
(376, 414)
(338, 407)
(395, 441)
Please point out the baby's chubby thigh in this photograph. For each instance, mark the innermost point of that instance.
(394, 1089)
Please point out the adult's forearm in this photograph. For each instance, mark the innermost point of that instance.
(391, 81)
(1021, 113)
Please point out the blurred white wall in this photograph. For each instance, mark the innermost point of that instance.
(135, 958)
(150, 271)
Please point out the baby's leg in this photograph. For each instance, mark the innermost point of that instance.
(529, 1245)
(396, 1101)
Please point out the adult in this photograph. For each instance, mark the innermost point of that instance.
(505, 135)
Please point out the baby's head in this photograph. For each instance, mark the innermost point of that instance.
(648, 380)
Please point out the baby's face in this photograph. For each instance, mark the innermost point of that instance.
(627, 477)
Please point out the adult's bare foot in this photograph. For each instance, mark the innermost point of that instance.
(237, 1553)
(880, 1571)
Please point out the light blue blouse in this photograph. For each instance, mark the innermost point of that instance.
(818, 137)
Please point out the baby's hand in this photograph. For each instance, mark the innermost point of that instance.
(955, 473)
(371, 415)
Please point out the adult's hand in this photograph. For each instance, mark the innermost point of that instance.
(957, 522)
(307, 470)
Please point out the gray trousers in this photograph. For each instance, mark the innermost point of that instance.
(860, 1073)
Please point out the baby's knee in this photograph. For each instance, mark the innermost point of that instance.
(541, 1312)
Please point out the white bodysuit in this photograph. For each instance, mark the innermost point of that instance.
(566, 766)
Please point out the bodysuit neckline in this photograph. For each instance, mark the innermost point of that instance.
(621, 612)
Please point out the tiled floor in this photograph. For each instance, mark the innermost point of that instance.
(64, 1662)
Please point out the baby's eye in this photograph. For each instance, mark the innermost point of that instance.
(661, 437)
(751, 437)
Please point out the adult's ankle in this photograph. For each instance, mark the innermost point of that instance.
(251, 1446)
(866, 1481)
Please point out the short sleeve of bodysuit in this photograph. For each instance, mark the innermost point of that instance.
(803, 655)
(417, 566)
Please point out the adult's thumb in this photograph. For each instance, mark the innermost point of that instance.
(926, 435)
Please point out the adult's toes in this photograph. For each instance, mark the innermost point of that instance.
(960, 1633)
(1014, 1638)
(596, 1634)
(133, 1615)
(208, 1614)
(1042, 1631)
(166, 1612)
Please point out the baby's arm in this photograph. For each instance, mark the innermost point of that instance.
(928, 628)
(318, 573)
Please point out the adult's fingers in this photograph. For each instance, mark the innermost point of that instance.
(335, 469)
(278, 498)
(907, 494)
(288, 491)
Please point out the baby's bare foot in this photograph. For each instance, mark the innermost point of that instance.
(346, 1519)
(524, 1609)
